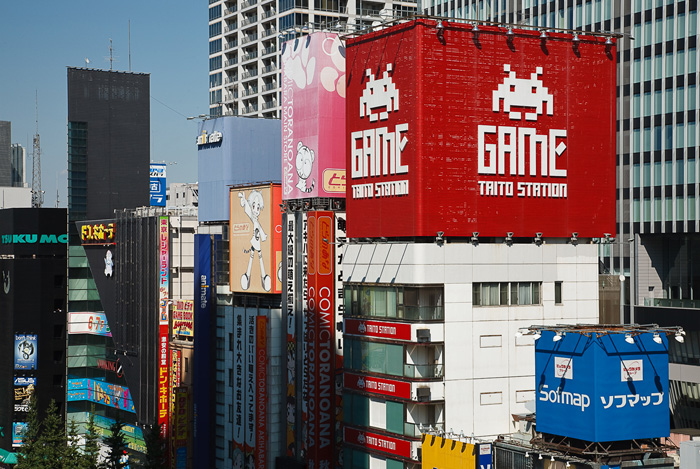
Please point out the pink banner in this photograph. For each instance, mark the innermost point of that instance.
(313, 117)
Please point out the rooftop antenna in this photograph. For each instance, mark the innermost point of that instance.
(37, 194)
(111, 56)
(129, 45)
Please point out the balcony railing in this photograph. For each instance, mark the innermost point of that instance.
(251, 108)
(413, 430)
(269, 105)
(248, 3)
(269, 87)
(250, 73)
(231, 62)
(230, 80)
(249, 20)
(269, 50)
(231, 28)
(268, 13)
(668, 303)
(231, 45)
(269, 32)
(230, 11)
(423, 371)
(250, 91)
(249, 38)
(249, 55)
(269, 68)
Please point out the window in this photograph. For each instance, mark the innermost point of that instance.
(214, 12)
(505, 293)
(215, 29)
(214, 80)
(400, 302)
(215, 63)
(214, 46)
(557, 292)
(679, 207)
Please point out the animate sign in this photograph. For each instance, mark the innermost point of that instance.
(214, 137)
(97, 233)
(379, 329)
(597, 387)
(475, 136)
(33, 238)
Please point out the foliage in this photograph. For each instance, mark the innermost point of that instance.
(155, 448)
(116, 446)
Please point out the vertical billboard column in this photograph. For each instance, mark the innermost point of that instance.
(250, 314)
(310, 332)
(304, 328)
(290, 306)
(261, 392)
(163, 333)
(202, 362)
(239, 365)
(321, 354)
(340, 237)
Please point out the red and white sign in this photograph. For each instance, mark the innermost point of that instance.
(163, 332)
(374, 441)
(632, 370)
(261, 390)
(379, 329)
(469, 135)
(385, 387)
(320, 331)
(564, 367)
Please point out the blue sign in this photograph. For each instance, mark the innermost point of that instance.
(484, 457)
(18, 429)
(25, 351)
(598, 388)
(157, 185)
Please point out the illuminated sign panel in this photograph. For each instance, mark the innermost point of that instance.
(157, 185)
(163, 326)
(25, 351)
(313, 117)
(598, 387)
(378, 442)
(97, 233)
(183, 318)
(88, 323)
(385, 387)
(476, 136)
(378, 329)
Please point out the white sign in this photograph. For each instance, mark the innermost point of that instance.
(564, 367)
(632, 370)
(214, 137)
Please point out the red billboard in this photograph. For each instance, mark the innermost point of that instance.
(320, 341)
(385, 387)
(462, 132)
(379, 329)
(378, 442)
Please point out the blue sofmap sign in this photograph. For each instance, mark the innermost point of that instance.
(25, 351)
(157, 185)
(598, 388)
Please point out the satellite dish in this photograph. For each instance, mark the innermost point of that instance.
(87, 61)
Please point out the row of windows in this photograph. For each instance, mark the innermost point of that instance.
(665, 178)
(684, 209)
(663, 137)
(214, 12)
(214, 46)
(215, 63)
(510, 293)
(374, 357)
(400, 302)
(215, 80)
(665, 61)
(356, 411)
(663, 101)
(647, 35)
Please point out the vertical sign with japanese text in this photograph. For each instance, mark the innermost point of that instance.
(261, 392)
(163, 347)
(290, 302)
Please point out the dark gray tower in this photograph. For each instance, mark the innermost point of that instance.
(5, 155)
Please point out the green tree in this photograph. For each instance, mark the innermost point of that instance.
(155, 448)
(44, 441)
(116, 446)
(92, 449)
(29, 454)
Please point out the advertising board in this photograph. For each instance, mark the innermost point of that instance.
(24, 387)
(99, 233)
(599, 387)
(461, 133)
(25, 351)
(183, 318)
(88, 323)
(113, 395)
(373, 385)
(239, 389)
(290, 295)
(18, 429)
(255, 239)
(378, 442)
(261, 392)
(320, 341)
(378, 329)
(446, 453)
(157, 185)
(163, 326)
(313, 117)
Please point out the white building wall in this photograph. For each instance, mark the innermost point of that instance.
(489, 372)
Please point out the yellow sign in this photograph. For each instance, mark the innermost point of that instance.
(444, 453)
(98, 233)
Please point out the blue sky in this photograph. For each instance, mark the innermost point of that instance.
(39, 39)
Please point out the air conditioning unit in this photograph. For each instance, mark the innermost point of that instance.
(423, 335)
(423, 394)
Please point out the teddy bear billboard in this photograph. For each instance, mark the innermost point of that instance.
(313, 117)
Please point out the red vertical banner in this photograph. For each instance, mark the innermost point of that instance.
(261, 391)
(310, 331)
(163, 326)
(321, 352)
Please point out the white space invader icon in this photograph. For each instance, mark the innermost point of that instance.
(522, 92)
(379, 94)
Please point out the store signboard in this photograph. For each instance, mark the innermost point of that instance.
(461, 135)
(378, 329)
(88, 323)
(372, 385)
(24, 387)
(26, 352)
(157, 185)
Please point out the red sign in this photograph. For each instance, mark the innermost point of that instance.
(261, 394)
(385, 387)
(464, 133)
(320, 340)
(374, 441)
(384, 330)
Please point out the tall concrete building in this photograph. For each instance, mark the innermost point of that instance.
(18, 164)
(5, 159)
(658, 212)
(245, 40)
